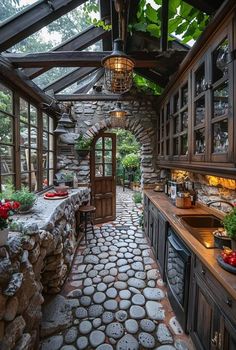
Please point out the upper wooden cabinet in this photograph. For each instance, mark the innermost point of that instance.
(196, 123)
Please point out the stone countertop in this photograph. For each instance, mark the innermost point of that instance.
(44, 211)
(207, 256)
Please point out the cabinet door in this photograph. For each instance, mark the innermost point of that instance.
(162, 236)
(150, 226)
(155, 237)
(205, 317)
(227, 335)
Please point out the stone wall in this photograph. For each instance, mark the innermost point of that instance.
(93, 118)
(210, 188)
(35, 261)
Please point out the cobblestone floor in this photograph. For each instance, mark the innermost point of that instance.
(114, 297)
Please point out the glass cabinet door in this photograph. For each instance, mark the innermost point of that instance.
(220, 100)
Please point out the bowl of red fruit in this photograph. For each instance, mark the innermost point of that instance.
(227, 260)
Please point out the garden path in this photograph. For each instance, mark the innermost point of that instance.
(114, 297)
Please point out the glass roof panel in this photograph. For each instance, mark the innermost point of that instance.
(10, 8)
(60, 30)
(78, 85)
(52, 75)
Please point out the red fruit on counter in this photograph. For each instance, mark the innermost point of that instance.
(225, 257)
(50, 194)
(232, 261)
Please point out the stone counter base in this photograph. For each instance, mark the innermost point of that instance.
(34, 262)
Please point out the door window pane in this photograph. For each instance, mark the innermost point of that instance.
(98, 157)
(34, 159)
(176, 102)
(200, 111)
(6, 128)
(200, 141)
(45, 140)
(108, 169)
(220, 137)
(99, 143)
(6, 180)
(107, 143)
(98, 170)
(220, 100)
(45, 121)
(176, 124)
(184, 93)
(108, 157)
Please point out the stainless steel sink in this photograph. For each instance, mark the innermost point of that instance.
(202, 227)
(201, 221)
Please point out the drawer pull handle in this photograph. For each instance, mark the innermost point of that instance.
(214, 340)
(229, 302)
(203, 272)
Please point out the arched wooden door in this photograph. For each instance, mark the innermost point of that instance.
(103, 180)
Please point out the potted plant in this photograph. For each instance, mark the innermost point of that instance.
(68, 177)
(7, 208)
(25, 198)
(229, 223)
(83, 145)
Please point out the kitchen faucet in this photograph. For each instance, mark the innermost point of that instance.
(221, 201)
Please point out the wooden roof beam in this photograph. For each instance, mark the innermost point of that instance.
(93, 97)
(89, 59)
(105, 11)
(78, 42)
(69, 79)
(153, 76)
(32, 19)
(164, 25)
(209, 6)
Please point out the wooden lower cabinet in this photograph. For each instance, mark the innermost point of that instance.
(146, 215)
(210, 328)
(162, 237)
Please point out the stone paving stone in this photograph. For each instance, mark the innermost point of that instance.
(128, 342)
(138, 299)
(120, 285)
(110, 305)
(124, 304)
(111, 293)
(155, 310)
(52, 343)
(107, 317)
(146, 340)
(104, 347)
(131, 326)
(125, 294)
(115, 330)
(82, 343)
(147, 325)
(95, 310)
(175, 326)
(163, 334)
(121, 315)
(96, 338)
(153, 294)
(85, 327)
(136, 283)
(137, 312)
(101, 287)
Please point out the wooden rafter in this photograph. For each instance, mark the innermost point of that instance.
(114, 21)
(89, 59)
(164, 25)
(78, 42)
(153, 76)
(98, 74)
(18, 79)
(105, 11)
(69, 79)
(32, 19)
(95, 97)
(209, 6)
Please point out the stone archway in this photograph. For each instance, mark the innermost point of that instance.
(143, 136)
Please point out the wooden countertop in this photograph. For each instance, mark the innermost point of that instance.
(207, 256)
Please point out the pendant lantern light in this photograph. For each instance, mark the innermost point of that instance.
(66, 121)
(118, 112)
(118, 66)
(60, 129)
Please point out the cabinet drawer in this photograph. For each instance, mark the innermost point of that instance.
(226, 302)
(153, 209)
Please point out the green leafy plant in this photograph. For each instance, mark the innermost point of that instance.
(137, 197)
(83, 144)
(25, 198)
(68, 176)
(7, 191)
(131, 161)
(229, 223)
